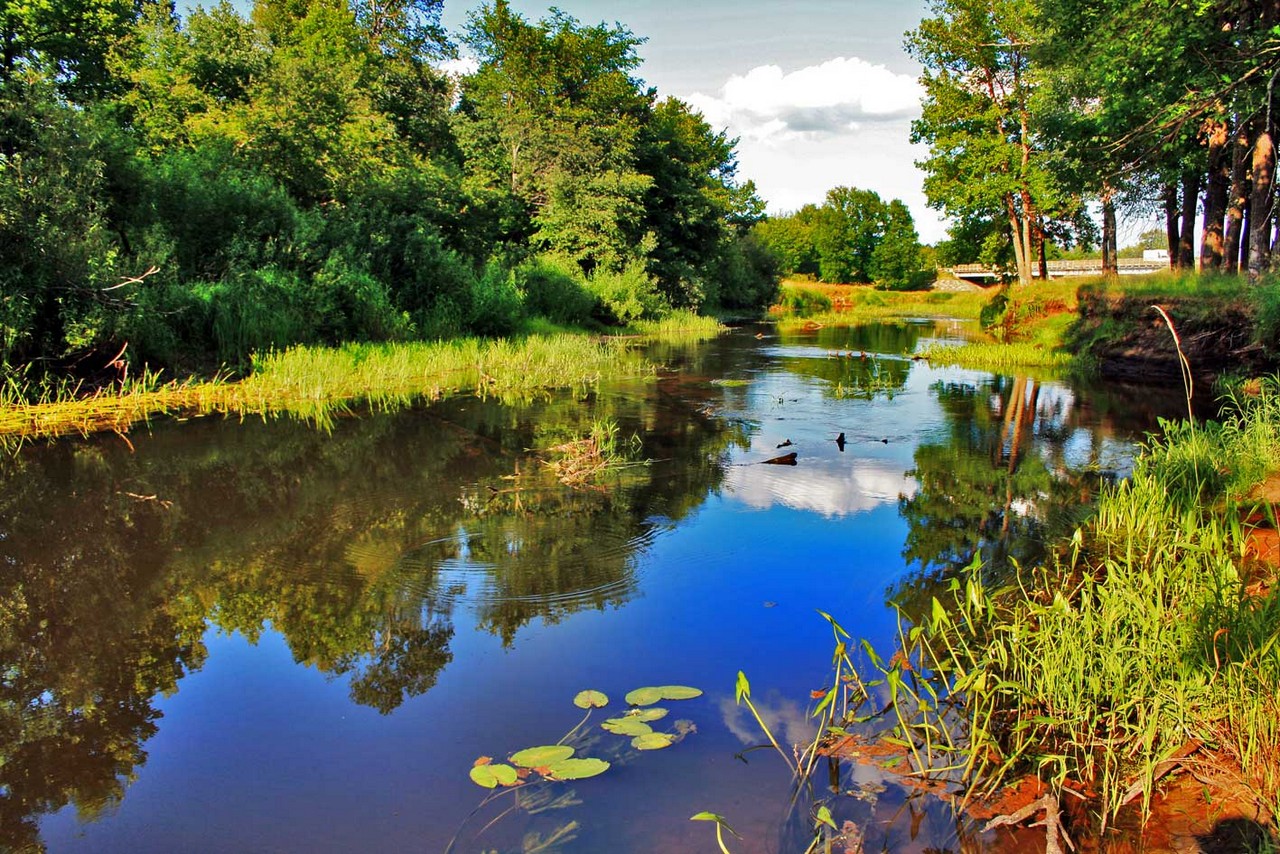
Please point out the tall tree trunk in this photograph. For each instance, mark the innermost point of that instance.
(1171, 222)
(1110, 264)
(1244, 236)
(1215, 195)
(1187, 242)
(1237, 198)
(1264, 167)
(1019, 249)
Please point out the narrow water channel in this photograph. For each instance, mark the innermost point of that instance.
(226, 637)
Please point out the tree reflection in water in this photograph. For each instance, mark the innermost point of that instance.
(357, 547)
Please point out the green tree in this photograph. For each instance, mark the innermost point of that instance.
(849, 226)
(895, 261)
(977, 119)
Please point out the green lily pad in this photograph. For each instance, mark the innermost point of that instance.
(590, 700)
(491, 776)
(652, 741)
(647, 714)
(626, 726)
(650, 695)
(577, 769)
(539, 757)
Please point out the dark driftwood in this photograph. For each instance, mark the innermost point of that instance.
(784, 460)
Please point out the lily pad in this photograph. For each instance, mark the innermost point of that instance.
(493, 775)
(626, 726)
(647, 714)
(650, 695)
(539, 757)
(577, 769)
(590, 700)
(652, 741)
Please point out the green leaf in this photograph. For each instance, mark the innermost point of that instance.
(678, 692)
(707, 816)
(652, 741)
(650, 695)
(537, 757)
(626, 726)
(577, 769)
(647, 714)
(824, 817)
(590, 700)
(643, 696)
(491, 776)
(742, 689)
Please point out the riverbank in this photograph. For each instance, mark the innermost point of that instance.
(317, 383)
(1173, 665)
(1223, 325)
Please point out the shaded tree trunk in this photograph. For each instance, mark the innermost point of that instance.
(1187, 240)
(1172, 235)
(1215, 196)
(1110, 263)
(1244, 237)
(1264, 167)
(1237, 198)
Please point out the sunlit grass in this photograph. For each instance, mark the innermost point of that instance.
(1150, 636)
(317, 383)
(995, 357)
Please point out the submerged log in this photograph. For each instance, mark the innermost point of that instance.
(784, 460)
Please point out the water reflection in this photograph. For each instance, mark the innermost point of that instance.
(429, 565)
(357, 547)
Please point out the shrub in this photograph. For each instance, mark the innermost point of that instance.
(803, 302)
(496, 306)
(627, 295)
(552, 287)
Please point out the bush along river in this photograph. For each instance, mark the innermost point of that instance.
(247, 635)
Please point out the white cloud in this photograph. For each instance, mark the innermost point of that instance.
(835, 96)
(843, 122)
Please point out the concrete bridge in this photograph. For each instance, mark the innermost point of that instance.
(983, 274)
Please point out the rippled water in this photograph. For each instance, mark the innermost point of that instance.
(260, 637)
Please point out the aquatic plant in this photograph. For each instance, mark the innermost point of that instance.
(318, 384)
(995, 356)
(1174, 656)
(558, 763)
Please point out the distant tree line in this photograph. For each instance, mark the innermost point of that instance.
(199, 187)
(1036, 110)
(854, 237)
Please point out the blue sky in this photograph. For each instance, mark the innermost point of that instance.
(819, 92)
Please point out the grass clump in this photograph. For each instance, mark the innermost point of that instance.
(995, 356)
(1150, 644)
(317, 383)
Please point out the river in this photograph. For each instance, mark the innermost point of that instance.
(260, 636)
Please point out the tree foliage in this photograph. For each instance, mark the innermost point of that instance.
(306, 172)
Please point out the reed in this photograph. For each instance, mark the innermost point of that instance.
(1141, 645)
(995, 356)
(318, 384)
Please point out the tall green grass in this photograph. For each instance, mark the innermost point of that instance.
(1139, 646)
(317, 383)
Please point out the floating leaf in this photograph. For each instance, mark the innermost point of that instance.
(577, 769)
(647, 714)
(491, 776)
(652, 741)
(650, 695)
(590, 700)
(643, 697)
(483, 760)
(626, 726)
(536, 757)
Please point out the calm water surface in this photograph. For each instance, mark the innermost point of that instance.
(225, 636)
